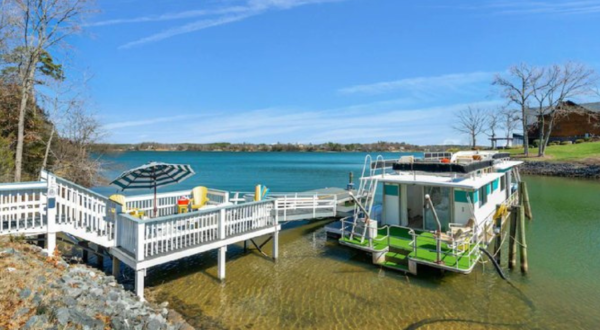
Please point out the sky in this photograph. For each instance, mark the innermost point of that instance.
(314, 71)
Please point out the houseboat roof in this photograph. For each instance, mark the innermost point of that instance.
(469, 183)
(507, 165)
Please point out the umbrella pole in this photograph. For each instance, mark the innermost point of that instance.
(155, 208)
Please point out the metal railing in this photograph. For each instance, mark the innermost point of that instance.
(304, 206)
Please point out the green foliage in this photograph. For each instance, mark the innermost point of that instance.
(579, 141)
(553, 143)
(535, 143)
(452, 150)
(7, 160)
(565, 143)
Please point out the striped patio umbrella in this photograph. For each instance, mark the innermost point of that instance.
(153, 175)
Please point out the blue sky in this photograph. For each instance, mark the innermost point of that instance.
(315, 70)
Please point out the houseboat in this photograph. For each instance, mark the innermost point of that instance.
(438, 211)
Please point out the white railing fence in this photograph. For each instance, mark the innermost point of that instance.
(166, 203)
(301, 206)
(80, 211)
(148, 238)
(22, 207)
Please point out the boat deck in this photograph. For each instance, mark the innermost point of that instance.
(399, 248)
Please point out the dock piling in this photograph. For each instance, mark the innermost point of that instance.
(512, 242)
(498, 244)
(524, 197)
(221, 262)
(523, 240)
(275, 245)
(116, 267)
(139, 283)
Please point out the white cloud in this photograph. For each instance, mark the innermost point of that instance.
(359, 123)
(145, 122)
(422, 85)
(216, 16)
(538, 7)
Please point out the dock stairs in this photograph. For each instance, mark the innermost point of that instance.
(396, 259)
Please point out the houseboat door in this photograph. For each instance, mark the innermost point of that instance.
(441, 199)
(391, 204)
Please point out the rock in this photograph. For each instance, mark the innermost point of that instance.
(8, 251)
(69, 301)
(21, 312)
(174, 317)
(97, 292)
(79, 317)
(92, 274)
(74, 292)
(165, 304)
(155, 324)
(112, 284)
(36, 322)
(25, 293)
(11, 269)
(113, 295)
(164, 312)
(62, 315)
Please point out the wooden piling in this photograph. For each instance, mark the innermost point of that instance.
(523, 240)
(84, 252)
(512, 242)
(498, 245)
(524, 194)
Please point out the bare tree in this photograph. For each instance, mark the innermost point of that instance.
(471, 121)
(517, 88)
(492, 124)
(77, 132)
(560, 83)
(510, 121)
(42, 26)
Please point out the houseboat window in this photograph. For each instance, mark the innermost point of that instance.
(503, 182)
(482, 196)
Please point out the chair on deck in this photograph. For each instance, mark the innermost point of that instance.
(120, 199)
(460, 235)
(199, 198)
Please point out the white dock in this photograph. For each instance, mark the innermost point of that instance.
(55, 205)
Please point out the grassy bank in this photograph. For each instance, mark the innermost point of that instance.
(582, 152)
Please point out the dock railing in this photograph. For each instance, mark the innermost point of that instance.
(22, 207)
(148, 238)
(166, 202)
(304, 206)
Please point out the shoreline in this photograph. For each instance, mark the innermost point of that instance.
(561, 169)
(40, 292)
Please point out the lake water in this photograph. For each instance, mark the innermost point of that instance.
(318, 284)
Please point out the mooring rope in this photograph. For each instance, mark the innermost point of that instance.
(520, 295)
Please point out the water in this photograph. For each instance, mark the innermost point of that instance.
(317, 283)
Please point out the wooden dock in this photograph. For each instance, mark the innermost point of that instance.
(55, 205)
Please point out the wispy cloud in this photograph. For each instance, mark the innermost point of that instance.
(369, 122)
(147, 122)
(564, 7)
(422, 86)
(211, 17)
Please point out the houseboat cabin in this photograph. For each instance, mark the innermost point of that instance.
(438, 210)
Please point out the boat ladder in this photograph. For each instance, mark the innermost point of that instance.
(363, 201)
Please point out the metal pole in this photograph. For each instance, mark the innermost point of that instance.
(438, 246)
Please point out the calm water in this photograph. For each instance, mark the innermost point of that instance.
(319, 284)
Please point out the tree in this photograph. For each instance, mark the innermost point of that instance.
(510, 120)
(78, 131)
(518, 87)
(42, 26)
(493, 123)
(471, 121)
(558, 84)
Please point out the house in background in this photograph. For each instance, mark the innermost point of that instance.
(581, 121)
(502, 142)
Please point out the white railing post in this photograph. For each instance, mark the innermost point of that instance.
(139, 250)
(222, 218)
(51, 193)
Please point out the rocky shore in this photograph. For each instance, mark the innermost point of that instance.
(37, 292)
(569, 170)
